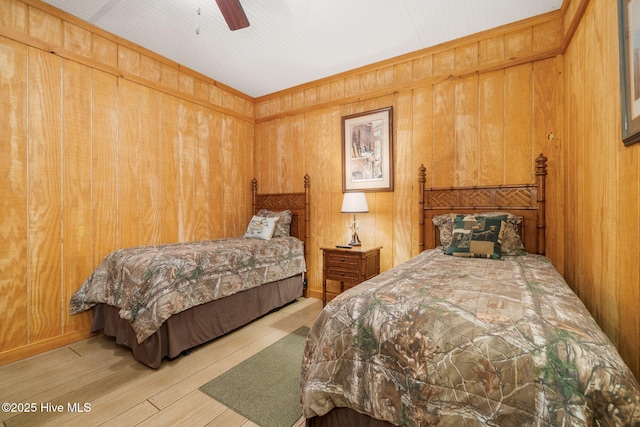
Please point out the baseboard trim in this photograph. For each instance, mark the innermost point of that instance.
(43, 346)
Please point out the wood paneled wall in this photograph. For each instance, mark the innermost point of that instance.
(475, 111)
(602, 233)
(105, 145)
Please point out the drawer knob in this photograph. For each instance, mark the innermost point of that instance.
(342, 274)
(341, 259)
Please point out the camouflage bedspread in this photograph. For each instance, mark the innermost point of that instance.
(151, 283)
(462, 341)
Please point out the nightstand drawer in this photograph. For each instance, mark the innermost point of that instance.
(343, 260)
(343, 275)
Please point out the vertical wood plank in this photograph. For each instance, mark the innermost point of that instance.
(466, 132)
(262, 155)
(216, 200)
(129, 221)
(328, 157)
(546, 134)
(13, 194)
(150, 168)
(607, 37)
(404, 178)
(45, 196)
(246, 133)
(422, 148)
(313, 167)
(233, 217)
(76, 184)
(184, 156)
(629, 259)
(170, 167)
(442, 174)
(518, 122)
(104, 164)
(299, 154)
(282, 145)
(491, 128)
(202, 197)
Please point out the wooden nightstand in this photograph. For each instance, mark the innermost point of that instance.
(348, 266)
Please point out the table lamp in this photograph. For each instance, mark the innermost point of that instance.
(354, 202)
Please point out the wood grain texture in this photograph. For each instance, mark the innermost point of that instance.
(184, 156)
(216, 203)
(128, 189)
(13, 196)
(104, 164)
(491, 129)
(402, 201)
(518, 123)
(422, 152)
(14, 15)
(442, 172)
(466, 165)
(601, 231)
(150, 166)
(201, 195)
(44, 213)
(169, 168)
(76, 196)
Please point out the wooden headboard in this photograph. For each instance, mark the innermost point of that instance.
(527, 201)
(297, 203)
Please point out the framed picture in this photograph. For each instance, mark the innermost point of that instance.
(629, 34)
(367, 151)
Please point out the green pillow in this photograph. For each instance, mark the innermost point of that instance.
(476, 236)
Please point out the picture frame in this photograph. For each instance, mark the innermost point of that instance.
(367, 151)
(629, 42)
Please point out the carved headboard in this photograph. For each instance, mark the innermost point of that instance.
(526, 200)
(297, 203)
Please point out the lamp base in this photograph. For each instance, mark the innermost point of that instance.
(355, 240)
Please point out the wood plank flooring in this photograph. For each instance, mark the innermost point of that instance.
(121, 391)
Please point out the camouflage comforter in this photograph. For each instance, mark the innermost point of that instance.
(151, 283)
(458, 341)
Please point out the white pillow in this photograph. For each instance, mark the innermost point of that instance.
(261, 227)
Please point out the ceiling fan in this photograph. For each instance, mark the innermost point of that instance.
(233, 14)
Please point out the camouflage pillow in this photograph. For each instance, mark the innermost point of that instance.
(510, 237)
(444, 223)
(511, 241)
(283, 225)
(476, 236)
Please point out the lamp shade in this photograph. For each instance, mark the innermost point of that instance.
(354, 203)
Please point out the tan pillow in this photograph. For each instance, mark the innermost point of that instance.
(283, 225)
(261, 227)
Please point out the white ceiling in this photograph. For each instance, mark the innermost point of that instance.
(291, 42)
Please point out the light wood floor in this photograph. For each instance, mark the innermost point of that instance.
(123, 392)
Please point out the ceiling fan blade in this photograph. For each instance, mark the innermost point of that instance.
(233, 14)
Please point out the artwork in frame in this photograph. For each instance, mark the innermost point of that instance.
(629, 35)
(367, 151)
